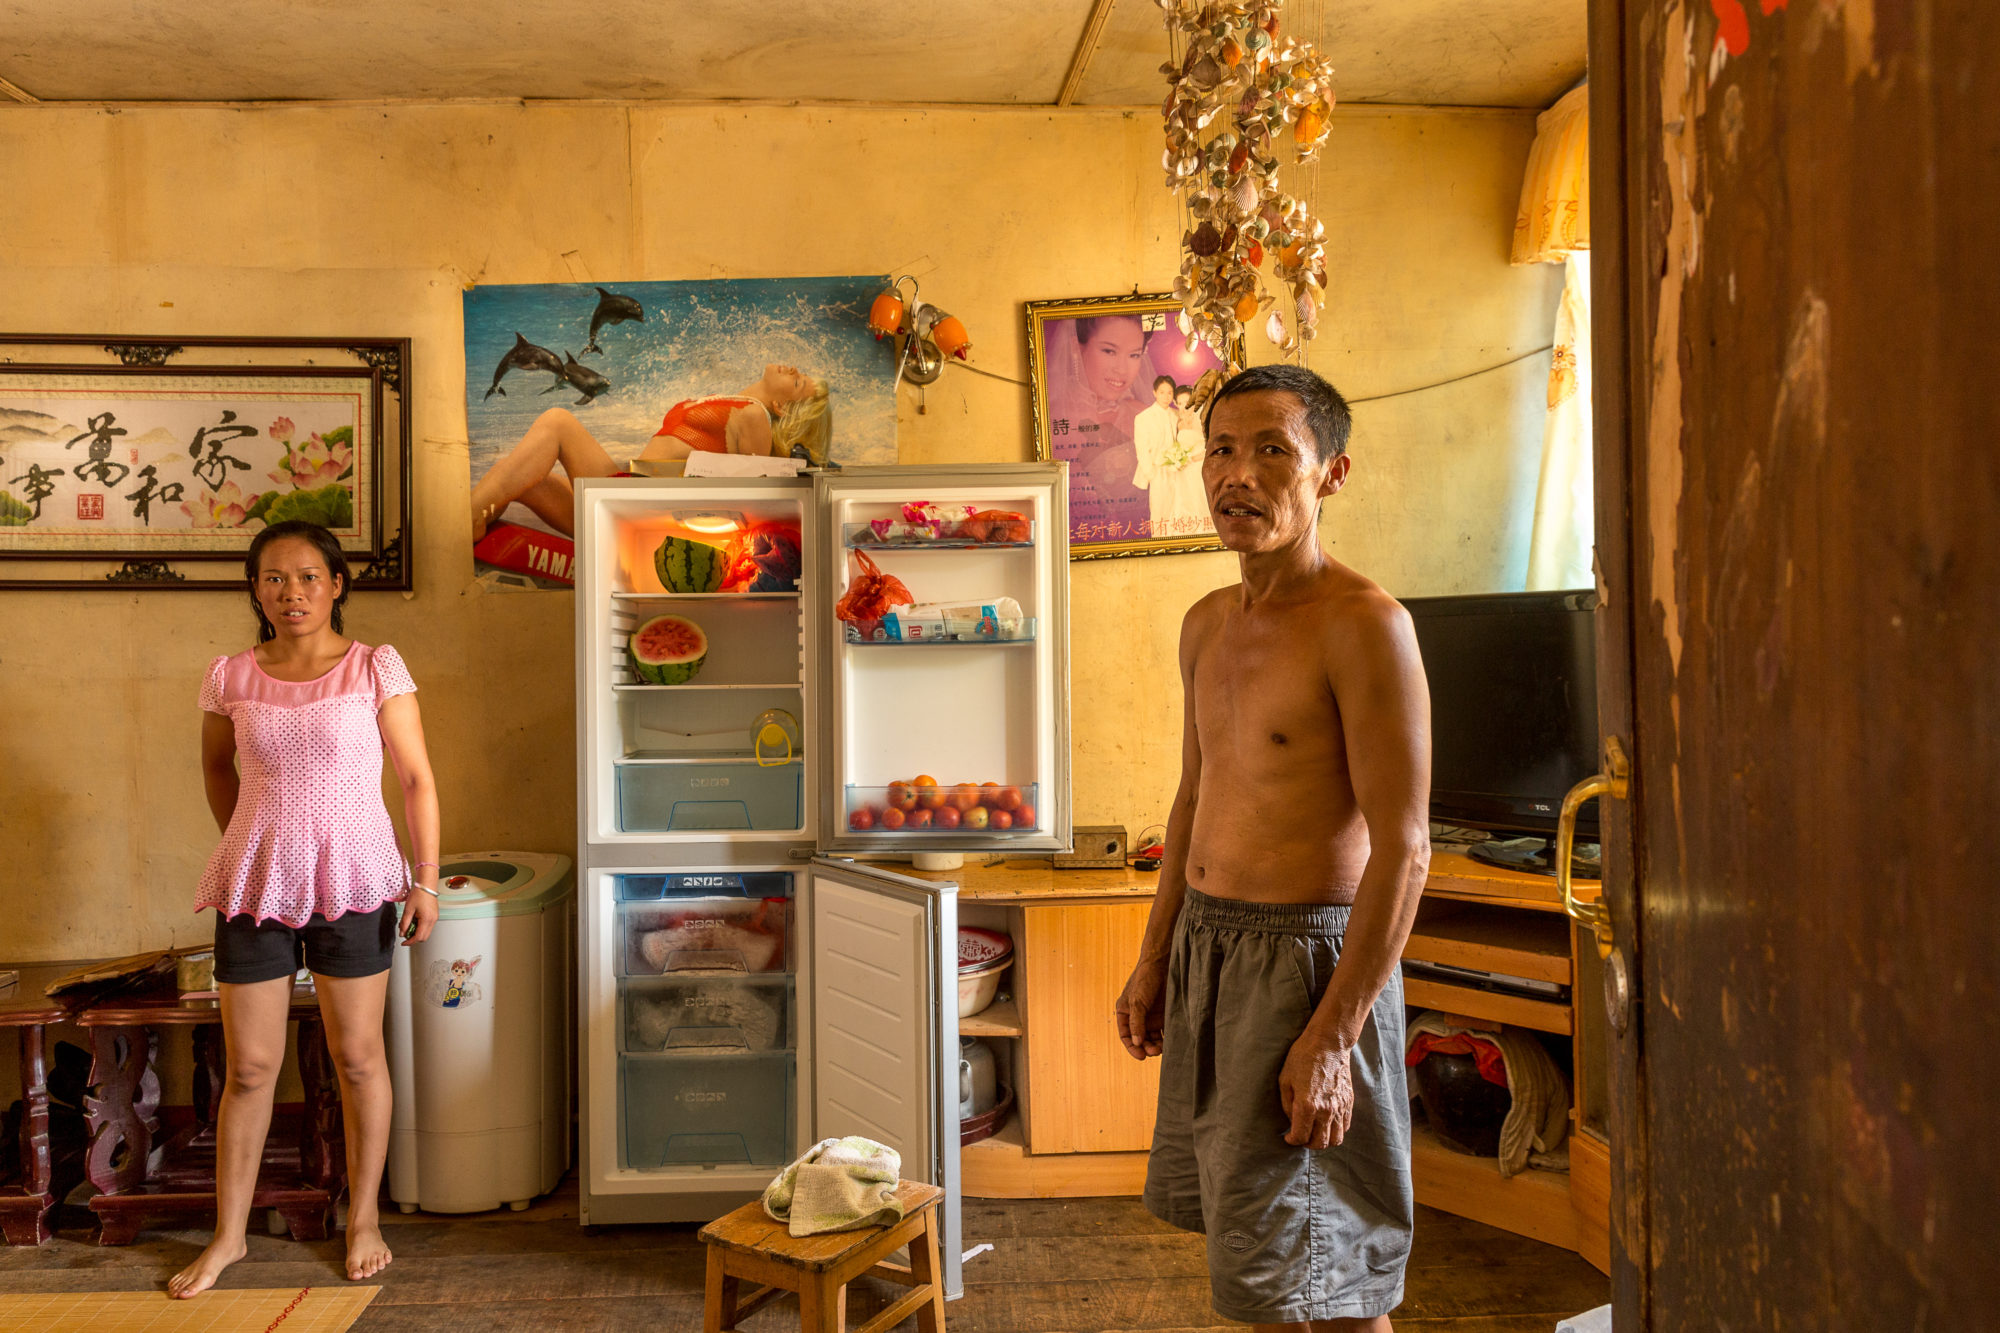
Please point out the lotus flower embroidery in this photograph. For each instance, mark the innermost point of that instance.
(226, 508)
(313, 464)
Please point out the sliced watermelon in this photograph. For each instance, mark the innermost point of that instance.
(668, 650)
(689, 566)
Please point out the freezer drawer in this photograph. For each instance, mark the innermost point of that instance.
(705, 1014)
(712, 935)
(680, 798)
(706, 1110)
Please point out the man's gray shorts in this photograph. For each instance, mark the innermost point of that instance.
(1292, 1233)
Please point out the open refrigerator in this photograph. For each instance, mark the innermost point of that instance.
(747, 987)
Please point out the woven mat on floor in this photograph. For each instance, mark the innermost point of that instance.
(314, 1310)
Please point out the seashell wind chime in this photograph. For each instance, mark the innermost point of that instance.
(1238, 87)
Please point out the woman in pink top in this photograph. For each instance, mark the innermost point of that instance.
(308, 872)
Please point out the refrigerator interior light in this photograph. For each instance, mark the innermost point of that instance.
(710, 520)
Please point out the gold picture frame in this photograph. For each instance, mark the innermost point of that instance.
(1093, 369)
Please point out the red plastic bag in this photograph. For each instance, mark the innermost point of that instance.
(871, 593)
(998, 525)
(764, 559)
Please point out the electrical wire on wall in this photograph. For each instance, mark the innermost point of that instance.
(1371, 398)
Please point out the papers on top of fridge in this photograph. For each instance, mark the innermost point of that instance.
(704, 464)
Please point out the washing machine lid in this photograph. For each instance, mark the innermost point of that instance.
(486, 884)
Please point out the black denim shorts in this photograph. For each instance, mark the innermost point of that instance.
(353, 944)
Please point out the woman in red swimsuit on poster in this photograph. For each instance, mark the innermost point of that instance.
(782, 409)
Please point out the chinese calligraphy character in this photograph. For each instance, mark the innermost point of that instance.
(1060, 426)
(142, 499)
(39, 485)
(214, 468)
(99, 464)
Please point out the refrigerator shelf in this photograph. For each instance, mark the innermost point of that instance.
(704, 596)
(701, 757)
(968, 801)
(868, 536)
(767, 685)
(928, 633)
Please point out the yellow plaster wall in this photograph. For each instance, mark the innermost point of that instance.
(371, 221)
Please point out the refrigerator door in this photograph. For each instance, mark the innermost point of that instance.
(971, 687)
(883, 972)
(674, 773)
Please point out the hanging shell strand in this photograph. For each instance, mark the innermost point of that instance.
(1237, 88)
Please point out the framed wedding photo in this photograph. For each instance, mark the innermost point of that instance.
(1117, 395)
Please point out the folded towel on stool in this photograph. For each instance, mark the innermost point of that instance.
(839, 1185)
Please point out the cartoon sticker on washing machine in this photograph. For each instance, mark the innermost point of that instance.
(450, 984)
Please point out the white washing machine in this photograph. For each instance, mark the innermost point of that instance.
(479, 1037)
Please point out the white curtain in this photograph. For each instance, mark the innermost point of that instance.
(1552, 225)
(1559, 548)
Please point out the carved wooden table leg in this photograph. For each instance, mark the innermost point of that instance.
(37, 1168)
(211, 1072)
(120, 1108)
(322, 1134)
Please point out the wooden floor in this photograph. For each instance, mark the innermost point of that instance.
(1057, 1266)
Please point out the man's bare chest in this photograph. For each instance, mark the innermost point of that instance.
(1260, 695)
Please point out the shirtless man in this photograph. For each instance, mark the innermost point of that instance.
(1296, 852)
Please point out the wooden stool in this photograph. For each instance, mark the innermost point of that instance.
(748, 1244)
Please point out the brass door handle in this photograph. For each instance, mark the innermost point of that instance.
(1615, 781)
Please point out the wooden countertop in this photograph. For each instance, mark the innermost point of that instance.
(1033, 881)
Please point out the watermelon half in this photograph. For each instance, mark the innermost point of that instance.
(689, 566)
(668, 650)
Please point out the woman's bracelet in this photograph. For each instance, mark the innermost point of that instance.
(425, 887)
(413, 876)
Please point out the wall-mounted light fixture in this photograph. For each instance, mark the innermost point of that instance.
(925, 336)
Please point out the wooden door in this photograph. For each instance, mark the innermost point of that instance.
(1799, 526)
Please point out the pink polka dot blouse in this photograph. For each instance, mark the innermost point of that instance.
(310, 833)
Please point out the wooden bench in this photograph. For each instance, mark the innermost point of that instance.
(749, 1244)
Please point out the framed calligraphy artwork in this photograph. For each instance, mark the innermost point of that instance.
(1117, 395)
(152, 464)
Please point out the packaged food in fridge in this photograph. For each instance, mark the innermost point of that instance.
(871, 593)
(710, 1014)
(717, 936)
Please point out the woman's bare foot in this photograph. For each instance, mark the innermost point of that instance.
(367, 1253)
(200, 1275)
(482, 519)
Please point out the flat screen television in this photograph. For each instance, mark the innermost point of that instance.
(1513, 681)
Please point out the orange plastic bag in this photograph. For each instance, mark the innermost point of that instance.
(871, 593)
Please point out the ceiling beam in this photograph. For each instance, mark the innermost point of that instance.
(15, 91)
(1086, 51)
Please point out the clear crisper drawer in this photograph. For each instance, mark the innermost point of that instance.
(678, 798)
(706, 1110)
(706, 1014)
(714, 936)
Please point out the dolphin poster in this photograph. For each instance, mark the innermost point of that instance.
(616, 356)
